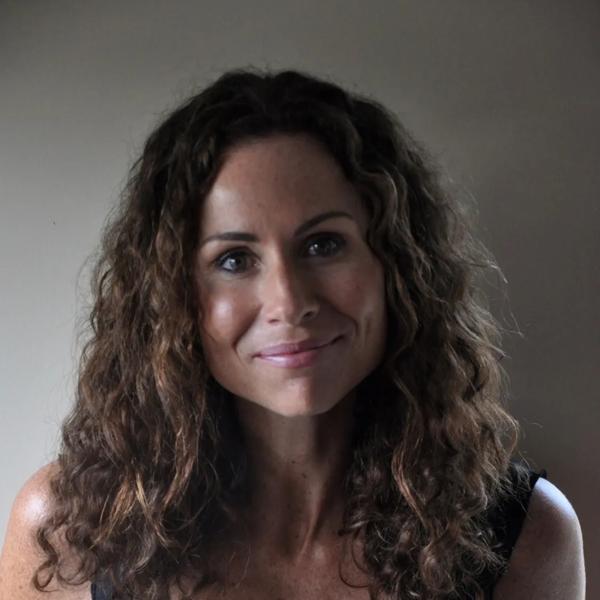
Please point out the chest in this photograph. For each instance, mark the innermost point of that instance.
(262, 576)
(309, 587)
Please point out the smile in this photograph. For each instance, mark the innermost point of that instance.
(295, 360)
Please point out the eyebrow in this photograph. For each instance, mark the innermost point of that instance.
(242, 236)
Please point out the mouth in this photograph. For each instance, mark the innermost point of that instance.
(300, 357)
(285, 348)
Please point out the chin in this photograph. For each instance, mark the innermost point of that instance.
(292, 404)
(307, 403)
(299, 410)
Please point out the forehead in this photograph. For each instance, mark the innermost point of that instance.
(282, 178)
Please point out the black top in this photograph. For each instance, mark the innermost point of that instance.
(507, 523)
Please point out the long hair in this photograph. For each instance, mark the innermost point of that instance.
(151, 469)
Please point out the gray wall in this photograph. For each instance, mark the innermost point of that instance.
(506, 94)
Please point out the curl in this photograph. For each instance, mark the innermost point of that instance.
(152, 469)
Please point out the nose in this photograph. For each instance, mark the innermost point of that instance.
(289, 295)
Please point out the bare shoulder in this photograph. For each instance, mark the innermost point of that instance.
(21, 555)
(33, 500)
(547, 561)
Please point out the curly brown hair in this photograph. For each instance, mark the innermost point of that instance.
(152, 468)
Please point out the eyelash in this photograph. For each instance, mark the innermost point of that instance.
(221, 259)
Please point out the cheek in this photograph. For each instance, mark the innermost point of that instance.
(365, 300)
(222, 319)
(360, 292)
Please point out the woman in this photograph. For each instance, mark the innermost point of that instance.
(290, 390)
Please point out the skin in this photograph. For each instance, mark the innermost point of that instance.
(297, 422)
(21, 555)
(324, 283)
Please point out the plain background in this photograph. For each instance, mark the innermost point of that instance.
(505, 94)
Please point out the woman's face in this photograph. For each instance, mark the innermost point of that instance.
(281, 259)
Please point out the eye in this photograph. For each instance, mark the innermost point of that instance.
(234, 261)
(327, 244)
(238, 261)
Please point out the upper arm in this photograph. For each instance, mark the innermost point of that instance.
(21, 554)
(547, 561)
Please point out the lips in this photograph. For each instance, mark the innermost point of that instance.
(299, 355)
(288, 348)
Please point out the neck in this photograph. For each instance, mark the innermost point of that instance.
(297, 471)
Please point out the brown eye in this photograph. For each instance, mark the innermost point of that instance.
(326, 245)
(233, 262)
